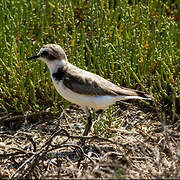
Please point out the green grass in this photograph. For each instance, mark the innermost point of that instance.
(135, 44)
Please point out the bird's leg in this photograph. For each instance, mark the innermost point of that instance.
(88, 126)
(89, 117)
(89, 123)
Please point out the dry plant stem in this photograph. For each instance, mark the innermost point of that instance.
(136, 148)
(29, 163)
(21, 152)
(142, 152)
(32, 159)
(9, 118)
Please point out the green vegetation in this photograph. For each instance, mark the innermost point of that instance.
(133, 44)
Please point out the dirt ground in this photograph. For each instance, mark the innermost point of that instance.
(136, 144)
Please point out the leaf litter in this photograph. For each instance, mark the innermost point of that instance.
(137, 144)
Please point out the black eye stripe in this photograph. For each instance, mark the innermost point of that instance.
(47, 55)
(44, 53)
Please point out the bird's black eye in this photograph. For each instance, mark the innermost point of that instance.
(44, 53)
(47, 55)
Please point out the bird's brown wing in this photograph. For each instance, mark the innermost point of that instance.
(84, 82)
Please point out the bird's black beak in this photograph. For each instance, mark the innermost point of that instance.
(33, 57)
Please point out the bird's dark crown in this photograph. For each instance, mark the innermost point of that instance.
(52, 52)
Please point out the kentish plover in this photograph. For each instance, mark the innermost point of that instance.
(81, 87)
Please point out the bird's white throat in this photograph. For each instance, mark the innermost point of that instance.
(54, 65)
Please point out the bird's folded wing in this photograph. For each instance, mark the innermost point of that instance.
(91, 84)
(88, 84)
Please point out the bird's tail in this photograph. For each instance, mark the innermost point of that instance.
(134, 97)
(126, 93)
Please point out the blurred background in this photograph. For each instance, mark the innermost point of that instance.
(131, 43)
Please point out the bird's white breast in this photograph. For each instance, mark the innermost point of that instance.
(96, 102)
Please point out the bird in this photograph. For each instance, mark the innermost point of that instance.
(81, 87)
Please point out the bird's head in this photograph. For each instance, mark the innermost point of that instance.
(51, 54)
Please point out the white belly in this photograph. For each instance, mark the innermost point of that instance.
(96, 102)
